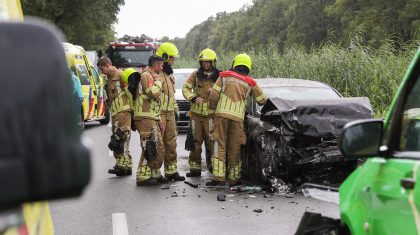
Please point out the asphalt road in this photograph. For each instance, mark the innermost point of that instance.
(116, 205)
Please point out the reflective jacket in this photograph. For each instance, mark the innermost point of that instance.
(229, 94)
(118, 95)
(147, 104)
(196, 87)
(167, 98)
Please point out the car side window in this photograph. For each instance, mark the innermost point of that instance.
(83, 74)
(95, 75)
(410, 125)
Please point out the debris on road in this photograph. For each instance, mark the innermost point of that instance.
(216, 187)
(164, 187)
(221, 197)
(258, 210)
(191, 184)
(247, 188)
(174, 194)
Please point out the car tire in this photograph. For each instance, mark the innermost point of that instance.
(107, 117)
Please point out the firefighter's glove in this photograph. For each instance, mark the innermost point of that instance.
(151, 150)
(189, 141)
(116, 144)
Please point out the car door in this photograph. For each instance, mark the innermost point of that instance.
(89, 101)
(94, 96)
(100, 106)
(394, 193)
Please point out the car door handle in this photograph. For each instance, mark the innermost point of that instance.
(408, 183)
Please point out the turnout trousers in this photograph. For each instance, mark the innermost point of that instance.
(149, 169)
(201, 127)
(123, 121)
(169, 141)
(228, 136)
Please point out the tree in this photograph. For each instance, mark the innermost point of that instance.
(84, 22)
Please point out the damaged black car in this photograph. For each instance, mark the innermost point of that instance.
(293, 138)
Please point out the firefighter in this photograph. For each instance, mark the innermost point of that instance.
(147, 107)
(169, 110)
(196, 90)
(228, 99)
(120, 105)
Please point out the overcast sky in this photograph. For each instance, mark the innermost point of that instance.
(172, 18)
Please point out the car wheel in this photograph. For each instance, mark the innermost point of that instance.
(107, 117)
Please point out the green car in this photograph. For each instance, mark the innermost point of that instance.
(380, 196)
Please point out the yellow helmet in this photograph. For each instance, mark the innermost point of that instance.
(242, 59)
(126, 74)
(167, 50)
(208, 55)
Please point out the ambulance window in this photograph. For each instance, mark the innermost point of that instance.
(83, 74)
(410, 126)
(95, 75)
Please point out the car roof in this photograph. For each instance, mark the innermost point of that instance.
(184, 70)
(290, 82)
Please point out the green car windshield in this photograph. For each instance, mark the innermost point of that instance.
(410, 124)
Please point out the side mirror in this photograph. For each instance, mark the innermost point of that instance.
(41, 154)
(361, 138)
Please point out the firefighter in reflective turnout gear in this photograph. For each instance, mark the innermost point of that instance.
(121, 106)
(228, 99)
(169, 109)
(147, 121)
(196, 90)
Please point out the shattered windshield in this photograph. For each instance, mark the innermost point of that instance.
(296, 93)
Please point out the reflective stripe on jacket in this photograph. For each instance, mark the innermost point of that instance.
(167, 98)
(118, 95)
(229, 94)
(198, 87)
(147, 104)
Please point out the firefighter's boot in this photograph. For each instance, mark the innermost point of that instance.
(119, 168)
(162, 180)
(149, 182)
(129, 165)
(194, 173)
(175, 177)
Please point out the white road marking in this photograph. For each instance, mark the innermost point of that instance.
(119, 224)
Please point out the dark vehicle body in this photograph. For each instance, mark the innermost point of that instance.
(181, 76)
(126, 55)
(293, 138)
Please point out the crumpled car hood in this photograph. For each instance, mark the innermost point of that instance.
(316, 118)
(295, 141)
